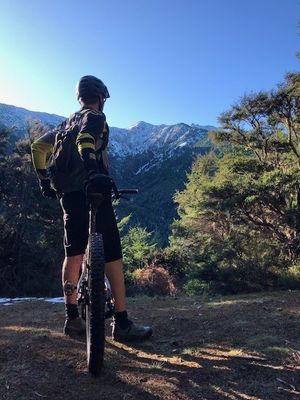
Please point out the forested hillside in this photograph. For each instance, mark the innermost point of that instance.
(153, 207)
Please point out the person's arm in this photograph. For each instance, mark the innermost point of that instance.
(40, 149)
(90, 131)
(105, 164)
(104, 154)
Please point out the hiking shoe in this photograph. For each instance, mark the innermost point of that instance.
(132, 332)
(74, 327)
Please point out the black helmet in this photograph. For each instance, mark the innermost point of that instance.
(89, 87)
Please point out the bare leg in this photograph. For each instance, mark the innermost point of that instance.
(70, 273)
(114, 273)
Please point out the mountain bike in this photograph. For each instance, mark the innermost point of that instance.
(94, 291)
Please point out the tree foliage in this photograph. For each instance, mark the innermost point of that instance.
(239, 213)
(30, 230)
(136, 245)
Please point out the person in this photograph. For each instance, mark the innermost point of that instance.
(78, 150)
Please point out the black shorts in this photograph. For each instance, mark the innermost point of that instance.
(76, 226)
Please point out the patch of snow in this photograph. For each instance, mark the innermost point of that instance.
(23, 298)
(4, 300)
(10, 301)
(55, 300)
(16, 299)
(141, 169)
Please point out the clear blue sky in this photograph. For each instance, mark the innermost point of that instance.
(164, 61)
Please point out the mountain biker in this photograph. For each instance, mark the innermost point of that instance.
(87, 162)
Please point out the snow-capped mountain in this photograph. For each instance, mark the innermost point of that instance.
(144, 137)
(151, 145)
(18, 117)
(155, 159)
(137, 139)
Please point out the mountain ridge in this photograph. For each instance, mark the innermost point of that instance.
(18, 117)
(138, 138)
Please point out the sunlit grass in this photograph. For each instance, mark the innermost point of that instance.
(191, 351)
(205, 353)
(239, 299)
(235, 353)
(28, 329)
(156, 365)
(219, 353)
(155, 358)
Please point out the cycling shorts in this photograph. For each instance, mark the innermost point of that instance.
(76, 226)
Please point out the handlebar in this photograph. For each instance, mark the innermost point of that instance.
(97, 197)
(119, 193)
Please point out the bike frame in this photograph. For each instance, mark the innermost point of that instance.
(85, 291)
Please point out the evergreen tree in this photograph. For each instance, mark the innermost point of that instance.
(239, 212)
(31, 245)
(136, 245)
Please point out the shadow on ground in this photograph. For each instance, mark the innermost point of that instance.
(234, 348)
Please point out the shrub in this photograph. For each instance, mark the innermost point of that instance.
(290, 278)
(194, 287)
(136, 245)
(129, 277)
(155, 280)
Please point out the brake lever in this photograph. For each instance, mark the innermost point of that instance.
(115, 191)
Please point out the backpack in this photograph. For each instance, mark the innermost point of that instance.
(65, 167)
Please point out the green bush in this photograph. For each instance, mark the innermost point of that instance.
(129, 277)
(136, 245)
(290, 278)
(194, 287)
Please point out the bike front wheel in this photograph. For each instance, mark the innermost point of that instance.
(95, 306)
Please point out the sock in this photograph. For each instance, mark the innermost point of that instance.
(71, 311)
(122, 320)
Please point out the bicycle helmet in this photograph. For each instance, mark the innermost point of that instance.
(89, 87)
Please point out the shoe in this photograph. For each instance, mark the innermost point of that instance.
(132, 332)
(74, 327)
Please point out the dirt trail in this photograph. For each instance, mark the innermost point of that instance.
(239, 348)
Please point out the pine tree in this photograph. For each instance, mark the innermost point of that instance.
(239, 213)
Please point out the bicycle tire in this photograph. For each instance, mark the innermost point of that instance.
(95, 305)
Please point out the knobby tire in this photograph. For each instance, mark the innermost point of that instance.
(95, 307)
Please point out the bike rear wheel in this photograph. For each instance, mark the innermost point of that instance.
(95, 305)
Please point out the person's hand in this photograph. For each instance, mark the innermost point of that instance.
(99, 182)
(46, 189)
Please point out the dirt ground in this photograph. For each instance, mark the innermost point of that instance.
(239, 348)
